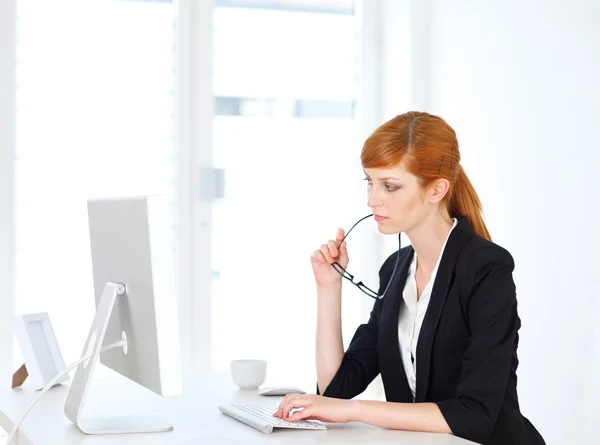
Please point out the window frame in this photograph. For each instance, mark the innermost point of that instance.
(7, 180)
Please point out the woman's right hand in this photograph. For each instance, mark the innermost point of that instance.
(322, 259)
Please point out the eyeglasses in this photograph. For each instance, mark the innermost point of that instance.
(345, 274)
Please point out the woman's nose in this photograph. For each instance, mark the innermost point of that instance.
(373, 198)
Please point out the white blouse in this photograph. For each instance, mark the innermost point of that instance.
(412, 314)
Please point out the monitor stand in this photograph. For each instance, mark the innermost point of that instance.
(83, 376)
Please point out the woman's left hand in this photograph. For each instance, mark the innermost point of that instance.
(313, 407)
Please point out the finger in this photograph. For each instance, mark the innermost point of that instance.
(325, 251)
(343, 248)
(279, 414)
(317, 257)
(303, 414)
(321, 419)
(339, 235)
(282, 410)
(333, 250)
(293, 401)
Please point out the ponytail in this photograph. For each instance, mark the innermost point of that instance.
(465, 202)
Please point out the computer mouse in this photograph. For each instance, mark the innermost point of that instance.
(280, 390)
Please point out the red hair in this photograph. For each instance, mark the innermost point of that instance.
(428, 148)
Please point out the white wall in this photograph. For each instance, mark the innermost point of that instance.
(518, 80)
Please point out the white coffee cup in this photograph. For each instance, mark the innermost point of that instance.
(248, 373)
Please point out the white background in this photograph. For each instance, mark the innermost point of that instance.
(518, 82)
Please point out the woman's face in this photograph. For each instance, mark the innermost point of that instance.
(396, 198)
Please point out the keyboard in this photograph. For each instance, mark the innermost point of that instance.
(261, 418)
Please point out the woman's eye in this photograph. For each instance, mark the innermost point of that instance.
(388, 187)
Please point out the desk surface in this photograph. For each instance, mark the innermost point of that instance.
(195, 416)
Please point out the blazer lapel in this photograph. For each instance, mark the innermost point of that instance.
(441, 286)
(391, 367)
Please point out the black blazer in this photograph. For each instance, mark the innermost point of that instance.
(467, 346)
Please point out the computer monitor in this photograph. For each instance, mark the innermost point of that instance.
(136, 301)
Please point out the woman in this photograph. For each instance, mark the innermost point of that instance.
(443, 331)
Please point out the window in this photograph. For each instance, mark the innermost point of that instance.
(285, 86)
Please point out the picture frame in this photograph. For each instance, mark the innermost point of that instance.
(41, 353)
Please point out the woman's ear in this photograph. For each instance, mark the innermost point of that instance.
(438, 190)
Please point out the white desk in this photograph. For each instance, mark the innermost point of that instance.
(197, 419)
